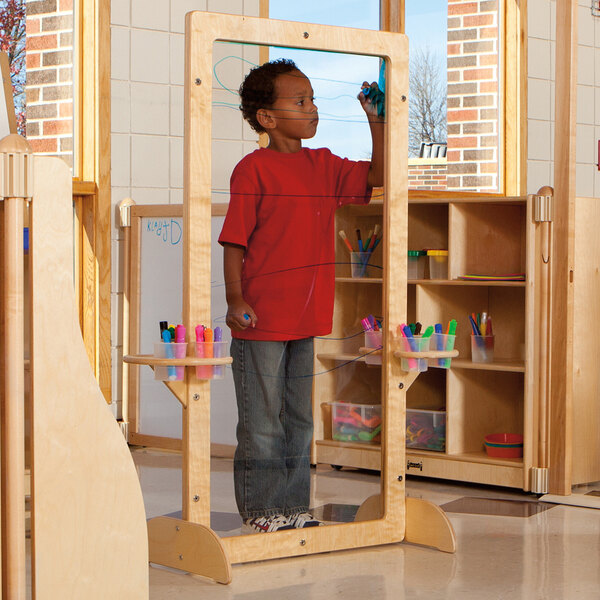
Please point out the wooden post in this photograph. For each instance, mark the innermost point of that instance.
(561, 382)
(14, 153)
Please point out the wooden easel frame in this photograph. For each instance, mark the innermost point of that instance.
(188, 543)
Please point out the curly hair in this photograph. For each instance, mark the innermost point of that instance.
(258, 89)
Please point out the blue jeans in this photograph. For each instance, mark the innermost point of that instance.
(273, 384)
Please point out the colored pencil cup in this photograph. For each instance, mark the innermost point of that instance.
(482, 348)
(171, 350)
(440, 341)
(359, 265)
(416, 264)
(211, 350)
(373, 339)
(438, 264)
(414, 344)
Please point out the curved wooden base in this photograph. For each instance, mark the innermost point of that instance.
(188, 546)
(426, 523)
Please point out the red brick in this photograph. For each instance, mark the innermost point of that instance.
(42, 42)
(462, 115)
(65, 109)
(488, 59)
(32, 25)
(463, 9)
(58, 127)
(43, 145)
(66, 5)
(478, 20)
(477, 74)
(453, 49)
(488, 86)
(32, 59)
(487, 33)
(462, 142)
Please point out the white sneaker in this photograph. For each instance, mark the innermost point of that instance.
(304, 519)
(266, 524)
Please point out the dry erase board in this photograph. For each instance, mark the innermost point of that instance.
(161, 280)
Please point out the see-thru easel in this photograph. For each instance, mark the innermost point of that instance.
(188, 543)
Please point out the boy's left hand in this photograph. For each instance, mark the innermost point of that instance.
(372, 103)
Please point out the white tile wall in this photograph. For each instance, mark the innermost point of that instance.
(147, 44)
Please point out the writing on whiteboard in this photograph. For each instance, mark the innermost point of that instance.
(168, 230)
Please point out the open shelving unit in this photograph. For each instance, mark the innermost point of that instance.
(490, 235)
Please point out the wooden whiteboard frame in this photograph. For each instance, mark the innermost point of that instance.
(382, 518)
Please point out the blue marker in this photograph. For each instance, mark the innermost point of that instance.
(172, 371)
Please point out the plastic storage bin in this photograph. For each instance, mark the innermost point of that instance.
(416, 264)
(426, 429)
(373, 339)
(355, 422)
(438, 264)
(211, 350)
(414, 344)
(171, 350)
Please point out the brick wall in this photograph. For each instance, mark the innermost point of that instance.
(49, 93)
(473, 140)
(427, 173)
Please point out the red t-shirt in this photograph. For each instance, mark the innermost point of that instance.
(281, 211)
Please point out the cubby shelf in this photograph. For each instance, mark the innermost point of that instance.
(484, 234)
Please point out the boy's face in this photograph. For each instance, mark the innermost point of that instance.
(294, 112)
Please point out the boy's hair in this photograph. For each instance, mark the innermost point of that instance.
(258, 89)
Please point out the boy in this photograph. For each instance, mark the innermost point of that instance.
(278, 240)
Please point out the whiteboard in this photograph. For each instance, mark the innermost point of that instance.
(161, 285)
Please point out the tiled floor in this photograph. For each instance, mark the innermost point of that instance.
(509, 545)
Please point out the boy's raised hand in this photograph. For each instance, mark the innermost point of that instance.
(371, 101)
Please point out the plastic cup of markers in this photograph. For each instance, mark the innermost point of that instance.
(170, 350)
(373, 339)
(482, 348)
(211, 350)
(441, 341)
(414, 344)
(359, 265)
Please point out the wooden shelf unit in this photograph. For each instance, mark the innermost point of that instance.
(486, 235)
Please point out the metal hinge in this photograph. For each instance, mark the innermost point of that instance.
(539, 480)
(542, 209)
(124, 425)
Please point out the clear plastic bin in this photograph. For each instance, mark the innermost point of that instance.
(211, 350)
(170, 350)
(416, 264)
(426, 429)
(373, 339)
(356, 422)
(482, 348)
(438, 264)
(441, 341)
(414, 344)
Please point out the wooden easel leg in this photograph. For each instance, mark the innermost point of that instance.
(428, 525)
(189, 547)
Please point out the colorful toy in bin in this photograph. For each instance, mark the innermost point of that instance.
(355, 422)
(426, 429)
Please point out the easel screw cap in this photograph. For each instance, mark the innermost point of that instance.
(16, 173)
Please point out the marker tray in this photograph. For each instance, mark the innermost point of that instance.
(171, 350)
(426, 429)
(357, 423)
(211, 350)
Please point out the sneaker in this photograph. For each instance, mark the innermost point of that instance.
(266, 524)
(304, 519)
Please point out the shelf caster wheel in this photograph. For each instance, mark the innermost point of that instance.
(337, 467)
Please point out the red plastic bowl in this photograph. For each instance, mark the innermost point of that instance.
(504, 445)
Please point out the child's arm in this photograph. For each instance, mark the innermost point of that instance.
(237, 308)
(376, 123)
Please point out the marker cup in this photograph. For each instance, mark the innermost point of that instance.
(414, 344)
(440, 341)
(211, 350)
(373, 339)
(359, 265)
(438, 264)
(482, 348)
(416, 264)
(170, 350)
